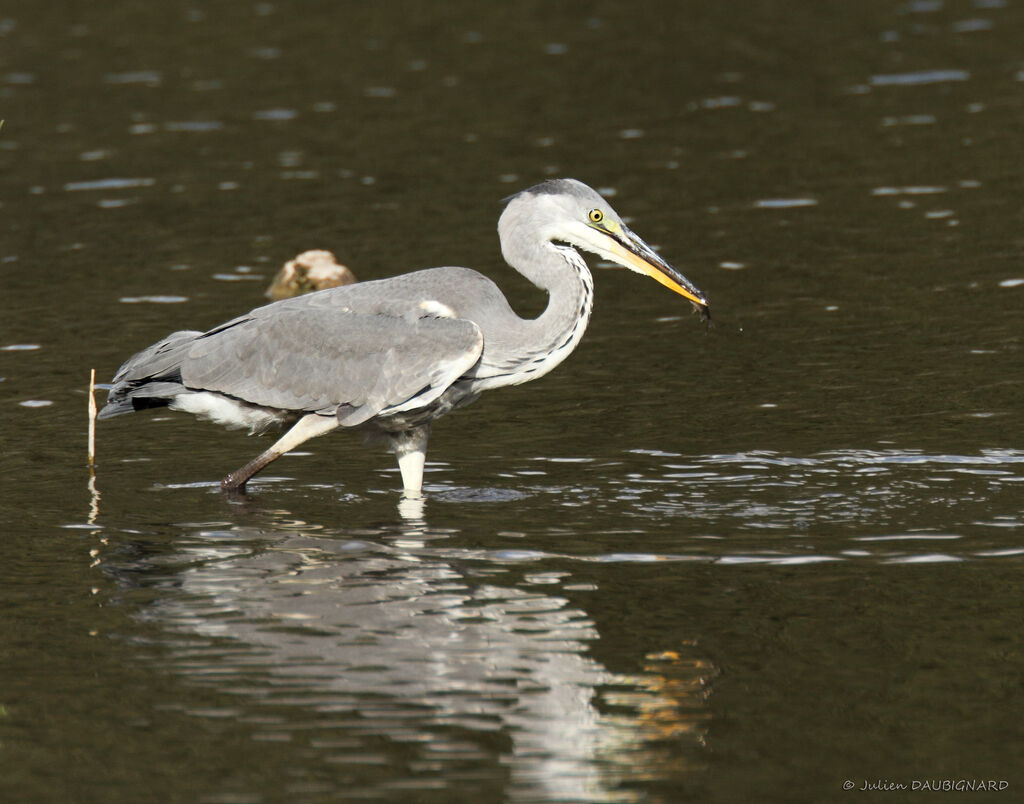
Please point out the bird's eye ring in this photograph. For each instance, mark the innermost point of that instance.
(596, 216)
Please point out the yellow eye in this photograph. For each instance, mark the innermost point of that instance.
(596, 216)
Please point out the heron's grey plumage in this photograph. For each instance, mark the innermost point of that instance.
(366, 363)
(393, 354)
(152, 374)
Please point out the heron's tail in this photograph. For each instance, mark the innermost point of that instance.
(151, 378)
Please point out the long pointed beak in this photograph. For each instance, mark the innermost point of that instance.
(633, 253)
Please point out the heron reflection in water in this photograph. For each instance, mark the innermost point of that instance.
(394, 354)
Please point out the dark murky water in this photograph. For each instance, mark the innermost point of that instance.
(750, 563)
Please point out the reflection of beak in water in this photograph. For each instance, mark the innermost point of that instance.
(668, 701)
(407, 647)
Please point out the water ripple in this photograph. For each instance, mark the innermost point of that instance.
(919, 77)
(108, 184)
(887, 499)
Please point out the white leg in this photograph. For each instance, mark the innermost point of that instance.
(411, 449)
(309, 426)
(411, 466)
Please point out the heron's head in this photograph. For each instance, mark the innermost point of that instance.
(568, 211)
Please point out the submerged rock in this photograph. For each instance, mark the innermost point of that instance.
(311, 270)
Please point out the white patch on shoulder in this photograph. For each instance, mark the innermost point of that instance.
(436, 309)
(227, 412)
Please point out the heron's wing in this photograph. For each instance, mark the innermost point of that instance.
(309, 359)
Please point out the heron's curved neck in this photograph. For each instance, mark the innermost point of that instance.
(560, 270)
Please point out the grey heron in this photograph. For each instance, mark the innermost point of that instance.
(394, 354)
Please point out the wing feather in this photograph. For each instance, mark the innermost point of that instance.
(307, 358)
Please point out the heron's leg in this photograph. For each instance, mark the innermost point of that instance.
(309, 426)
(411, 449)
